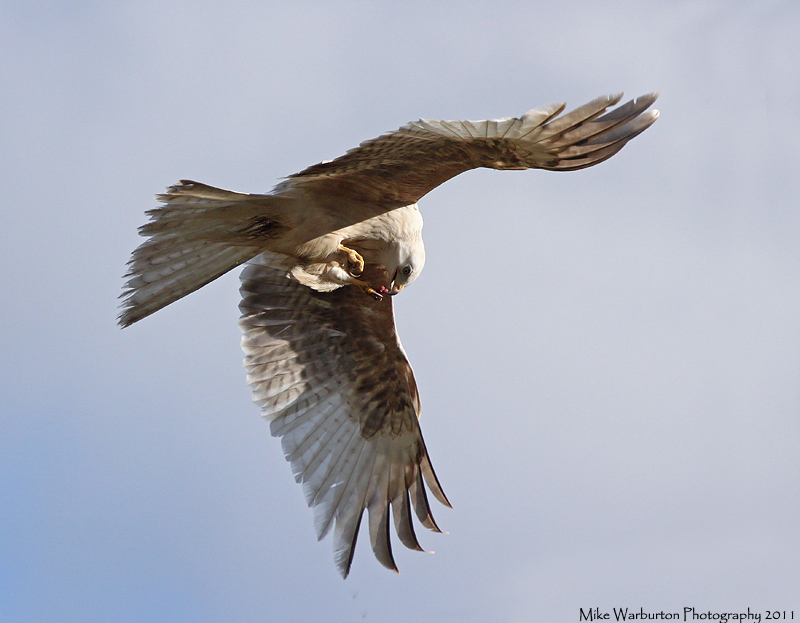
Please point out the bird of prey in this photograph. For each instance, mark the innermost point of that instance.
(326, 249)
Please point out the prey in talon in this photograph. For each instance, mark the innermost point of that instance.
(378, 294)
(378, 276)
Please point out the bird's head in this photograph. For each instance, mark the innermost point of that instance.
(405, 263)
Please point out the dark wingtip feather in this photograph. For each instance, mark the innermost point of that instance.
(401, 510)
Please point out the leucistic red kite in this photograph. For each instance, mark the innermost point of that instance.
(326, 249)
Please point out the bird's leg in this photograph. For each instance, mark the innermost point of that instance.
(355, 261)
(365, 287)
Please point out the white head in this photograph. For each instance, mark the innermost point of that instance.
(393, 240)
(407, 257)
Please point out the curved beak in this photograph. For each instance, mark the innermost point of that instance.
(395, 288)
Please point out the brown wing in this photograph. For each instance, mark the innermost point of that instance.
(329, 372)
(400, 167)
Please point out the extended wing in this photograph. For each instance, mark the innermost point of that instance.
(400, 167)
(329, 372)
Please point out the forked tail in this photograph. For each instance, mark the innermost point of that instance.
(198, 234)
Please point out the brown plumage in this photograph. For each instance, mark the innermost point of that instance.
(324, 361)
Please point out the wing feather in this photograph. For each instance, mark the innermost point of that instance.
(331, 376)
(400, 167)
(401, 509)
(378, 508)
(329, 506)
(421, 506)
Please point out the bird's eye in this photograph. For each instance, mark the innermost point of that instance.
(406, 270)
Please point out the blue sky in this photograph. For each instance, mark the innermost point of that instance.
(609, 360)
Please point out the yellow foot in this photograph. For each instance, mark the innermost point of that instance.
(365, 287)
(355, 260)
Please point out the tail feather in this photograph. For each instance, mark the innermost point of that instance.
(198, 234)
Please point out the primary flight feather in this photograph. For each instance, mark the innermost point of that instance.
(325, 248)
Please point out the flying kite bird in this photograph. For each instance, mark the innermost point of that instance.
(324, 249)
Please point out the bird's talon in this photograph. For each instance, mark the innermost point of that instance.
(368, 289)
(373, 293)
(355, 263)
